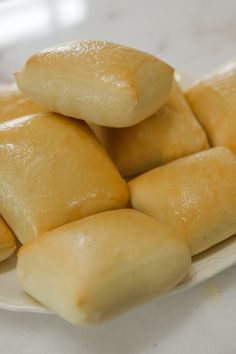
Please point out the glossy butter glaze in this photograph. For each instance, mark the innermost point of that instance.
(196, 195)
(53, 171)
(97, 81)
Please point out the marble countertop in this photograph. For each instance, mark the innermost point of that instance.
(195, 36)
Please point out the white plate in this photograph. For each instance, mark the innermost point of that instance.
(204, 266)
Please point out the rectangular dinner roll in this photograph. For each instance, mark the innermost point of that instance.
(196, 195)
(53, 171)
(170, 133)
(97, 81)
(14, 104)
(96, 268)
(7, 241)
(213, 100)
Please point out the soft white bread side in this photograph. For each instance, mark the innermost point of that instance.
(213, 100)
(196, 195)
(100, 82)
(14, 104)
(53, 171)
(98, 267)
(7, 241)
(169, 134)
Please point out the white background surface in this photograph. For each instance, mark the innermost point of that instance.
(194, 36)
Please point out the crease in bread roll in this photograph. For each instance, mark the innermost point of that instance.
(14, 104)
(196, 195)
(7, 241)
(96, 268)
(97, 81)
(53, 171)
(172, 132)
(213, 100)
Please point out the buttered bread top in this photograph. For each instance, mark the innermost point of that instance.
(97, 81)
(53, 171)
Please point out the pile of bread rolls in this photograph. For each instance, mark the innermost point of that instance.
(89, 116)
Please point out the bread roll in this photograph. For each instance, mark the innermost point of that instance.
(7, 241)
(170, 133)
(196, 195)
(53, 171)
(96, 268)
(14, 104)
(100, 82)
(213, 100)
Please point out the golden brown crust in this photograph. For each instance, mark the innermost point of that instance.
(196, 195)
(98, 267)
(53, 171)
(213, 101)
(169, 134)
(97, 81)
